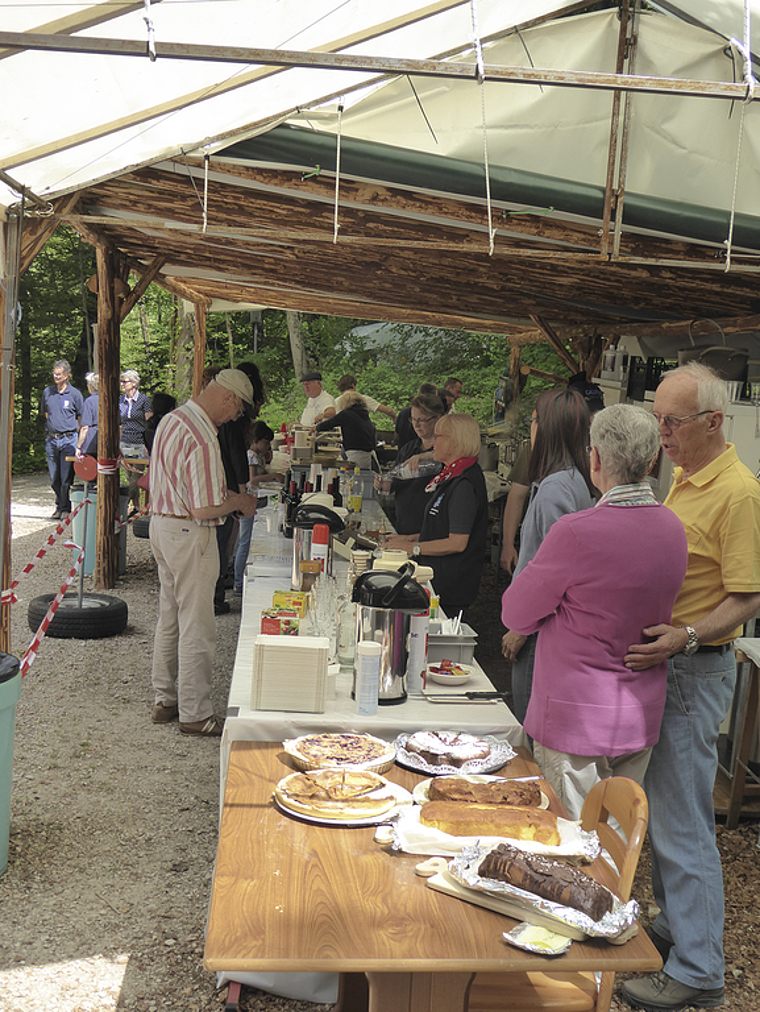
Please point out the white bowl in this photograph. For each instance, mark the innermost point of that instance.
(442, 678)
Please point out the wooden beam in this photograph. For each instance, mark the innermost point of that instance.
(141, 287)
(552, 377)
(556, 343)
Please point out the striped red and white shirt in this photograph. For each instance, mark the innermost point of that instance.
(186, 469)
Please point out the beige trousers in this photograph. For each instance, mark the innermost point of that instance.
(573, 776)
(185, 639)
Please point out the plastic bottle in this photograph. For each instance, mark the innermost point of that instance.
(403, 472)
(343, 483)
(418, 651)
(368, 680)
(355, 492)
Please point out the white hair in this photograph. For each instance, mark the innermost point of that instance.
(627, 439)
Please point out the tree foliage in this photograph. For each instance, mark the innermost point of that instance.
(389, 360)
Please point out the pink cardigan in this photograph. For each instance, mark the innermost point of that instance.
(598, 578)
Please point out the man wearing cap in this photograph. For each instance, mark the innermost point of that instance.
(189, 499)
(320, 404)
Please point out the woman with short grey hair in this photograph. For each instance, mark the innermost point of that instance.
(627, 439)
(599, 577)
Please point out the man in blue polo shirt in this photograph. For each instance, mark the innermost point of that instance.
(62, 404)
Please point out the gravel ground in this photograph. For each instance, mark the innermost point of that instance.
(114, 819)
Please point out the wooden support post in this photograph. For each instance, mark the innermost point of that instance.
(109, 351)
(199, 358)
(514, 371)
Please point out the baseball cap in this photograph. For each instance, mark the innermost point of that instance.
(240, 385)
(309, 376)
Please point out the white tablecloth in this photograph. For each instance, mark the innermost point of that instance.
(414, 714)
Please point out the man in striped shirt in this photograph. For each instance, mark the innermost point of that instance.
(189, 498)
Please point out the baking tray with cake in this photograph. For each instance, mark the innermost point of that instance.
(439, 753)
(467, 787)
(596, 911)
(420, 830)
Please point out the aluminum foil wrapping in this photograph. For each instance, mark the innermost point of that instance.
(576, 846)
(617, 922)
(501, 753)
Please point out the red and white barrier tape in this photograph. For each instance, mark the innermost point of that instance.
(34, 646)
(8, 596)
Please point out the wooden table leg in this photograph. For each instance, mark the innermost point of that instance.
(353, 993)
(419, 992)
(746, 734)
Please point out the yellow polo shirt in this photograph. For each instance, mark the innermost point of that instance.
(719, 507)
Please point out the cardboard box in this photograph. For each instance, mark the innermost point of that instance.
(291, 600)
(279, 622)
(289, 673)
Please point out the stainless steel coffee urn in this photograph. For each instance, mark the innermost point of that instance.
(386, 602)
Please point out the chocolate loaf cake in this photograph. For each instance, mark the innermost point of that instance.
(493, 792)
(552, 880)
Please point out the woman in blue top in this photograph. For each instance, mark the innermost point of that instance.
(134, 412)
(560, 483)
(87, 440)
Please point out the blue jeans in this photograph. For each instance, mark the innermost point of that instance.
(522, 677)
(244, 545)
(57, 449)
(687, 878)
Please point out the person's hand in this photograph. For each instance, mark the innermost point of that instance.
(275, 476)
(508, 558)
(667, 640)
(511, 645)
(413, 463)
(244, 503)
(78, 453)
(400, 542)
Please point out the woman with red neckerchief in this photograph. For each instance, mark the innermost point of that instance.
(454, 531)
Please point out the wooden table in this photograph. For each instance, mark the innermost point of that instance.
(290, 895)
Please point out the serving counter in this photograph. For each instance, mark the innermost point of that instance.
(269, 570)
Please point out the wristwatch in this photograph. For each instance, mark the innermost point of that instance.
(416, 550)
(692, 643)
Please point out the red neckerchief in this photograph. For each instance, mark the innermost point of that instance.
(450, 471)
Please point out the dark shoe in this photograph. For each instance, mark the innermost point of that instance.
(222, 608)
(660, 993)
(132, 512)
(211, 727)
(662, 945)
(56, 515)
(164, 714)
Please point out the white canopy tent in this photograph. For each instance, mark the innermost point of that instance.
(488, 164)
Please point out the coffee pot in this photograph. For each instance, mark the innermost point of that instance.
(387, 603)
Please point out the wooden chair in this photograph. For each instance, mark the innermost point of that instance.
(623, 800)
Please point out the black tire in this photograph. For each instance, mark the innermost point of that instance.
(141, 527)
(98, 617)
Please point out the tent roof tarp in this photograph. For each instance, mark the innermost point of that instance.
(129, 135)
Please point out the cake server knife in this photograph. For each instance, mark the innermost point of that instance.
(466, 697)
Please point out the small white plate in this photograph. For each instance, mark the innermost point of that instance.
(444, 678)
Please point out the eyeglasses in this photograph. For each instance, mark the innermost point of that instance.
(672, 422)
(422, 420)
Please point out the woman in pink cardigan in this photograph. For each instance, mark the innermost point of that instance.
(600, 576)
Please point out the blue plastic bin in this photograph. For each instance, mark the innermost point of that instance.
(10, 692)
